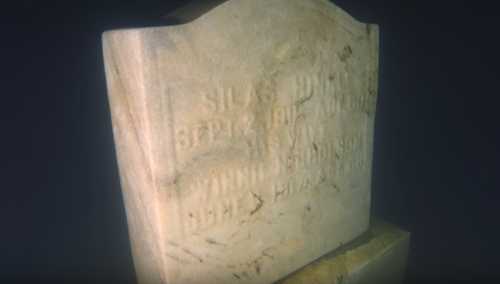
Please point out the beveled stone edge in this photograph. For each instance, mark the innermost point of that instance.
(380, 238)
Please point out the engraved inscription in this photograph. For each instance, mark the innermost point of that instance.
(203, 217)
(223, 195)
(204, 133)
(331, 88)
(294, 146)
(223, 183)
(328, 89)
(222, 99)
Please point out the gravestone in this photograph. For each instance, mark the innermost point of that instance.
(244, 138)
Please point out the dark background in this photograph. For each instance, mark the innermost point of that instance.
(435, 161)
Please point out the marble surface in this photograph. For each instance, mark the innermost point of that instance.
(244, 138)
(377, 257)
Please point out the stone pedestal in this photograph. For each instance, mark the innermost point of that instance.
(379, 256)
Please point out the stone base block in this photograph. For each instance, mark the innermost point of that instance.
(377, 257)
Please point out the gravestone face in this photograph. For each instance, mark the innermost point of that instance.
(244, 138)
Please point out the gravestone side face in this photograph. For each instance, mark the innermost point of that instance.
(244, 138)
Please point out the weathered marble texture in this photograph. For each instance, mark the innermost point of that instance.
(378, 257)
(244, 138)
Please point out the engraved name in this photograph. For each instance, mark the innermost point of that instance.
(225, 99)
(223, 195)
(302, 150)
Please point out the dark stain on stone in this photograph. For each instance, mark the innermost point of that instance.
(303, 100)
(192, 254)
(213, 242)
(315, 147)
(260, 203)
(177, 259)
(345, 53)
(336, 187)
(257, 267)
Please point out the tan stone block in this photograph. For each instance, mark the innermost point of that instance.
(377, 257)
(244, 138)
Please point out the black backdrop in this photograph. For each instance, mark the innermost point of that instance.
(435, 160)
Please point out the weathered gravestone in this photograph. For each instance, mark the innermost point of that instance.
(244, 138)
